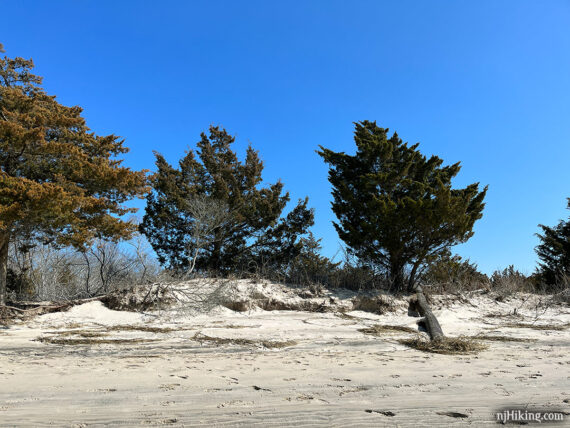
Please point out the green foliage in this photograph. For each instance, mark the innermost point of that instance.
(396, 208)
(554, 252)
(252, 234)
(19, 283)
(310, 267)
(447, 272)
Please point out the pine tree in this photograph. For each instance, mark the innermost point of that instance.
(554, 252)
(58, 180)
(395, 207)
(255, 233)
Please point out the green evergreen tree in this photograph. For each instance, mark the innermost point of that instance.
(554, 252)
(396, 208)
(310, 266)
(253, 232)
(450, 272)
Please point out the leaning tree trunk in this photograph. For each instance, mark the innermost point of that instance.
(419, 304)
(4, 242)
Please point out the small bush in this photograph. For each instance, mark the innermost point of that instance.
(19, 285)
(509, 281)
(450, 273)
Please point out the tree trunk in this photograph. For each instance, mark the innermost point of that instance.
(412, 278)
(397, 277)
(4, 245)
(419, 304)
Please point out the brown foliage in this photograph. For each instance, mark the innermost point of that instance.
(58, 180)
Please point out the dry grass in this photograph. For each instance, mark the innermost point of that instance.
(234, 326)
(377, 329)
(278, 344)
(446, 345)
(91, 341)
(80, 333)
(346, 316)
(558, 327)
(502, 315)
(105, 329)
(502, 338)
(144, 328)
(72, 325)
(246, 342)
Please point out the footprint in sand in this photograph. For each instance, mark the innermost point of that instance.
(168, 386)
(233, 403)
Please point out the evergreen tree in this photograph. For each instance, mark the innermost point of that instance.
(58, 180)
(554, 252)
(253, 232)
(310, 267)
(452, 273)
(395, 207)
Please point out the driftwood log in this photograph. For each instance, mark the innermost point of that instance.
(420, 305)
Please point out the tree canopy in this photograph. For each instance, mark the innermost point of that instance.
(554, 252)
(252, 234)
(58, 180)
(395, 207)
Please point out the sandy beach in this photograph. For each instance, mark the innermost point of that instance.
(92, 366)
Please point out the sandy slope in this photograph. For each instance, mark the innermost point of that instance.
(333, 376)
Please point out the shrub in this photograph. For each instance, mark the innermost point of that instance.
(510, 280)
(449, 273)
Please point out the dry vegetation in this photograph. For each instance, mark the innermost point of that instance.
(445, 345)
(143, 328)
(91, 341)
(245, 342)
(378, 330)
(555, 327)
(496, 338)
(80, 333)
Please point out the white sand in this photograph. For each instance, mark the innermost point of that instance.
(334, 375)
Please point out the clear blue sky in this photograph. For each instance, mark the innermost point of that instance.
(486, 83)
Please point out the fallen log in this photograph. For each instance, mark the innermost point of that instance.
(420, 305)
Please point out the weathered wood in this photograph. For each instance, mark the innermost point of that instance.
(420, 305)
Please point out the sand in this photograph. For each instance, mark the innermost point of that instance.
(278, 368)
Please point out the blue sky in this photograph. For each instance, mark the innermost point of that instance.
(486, 83)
